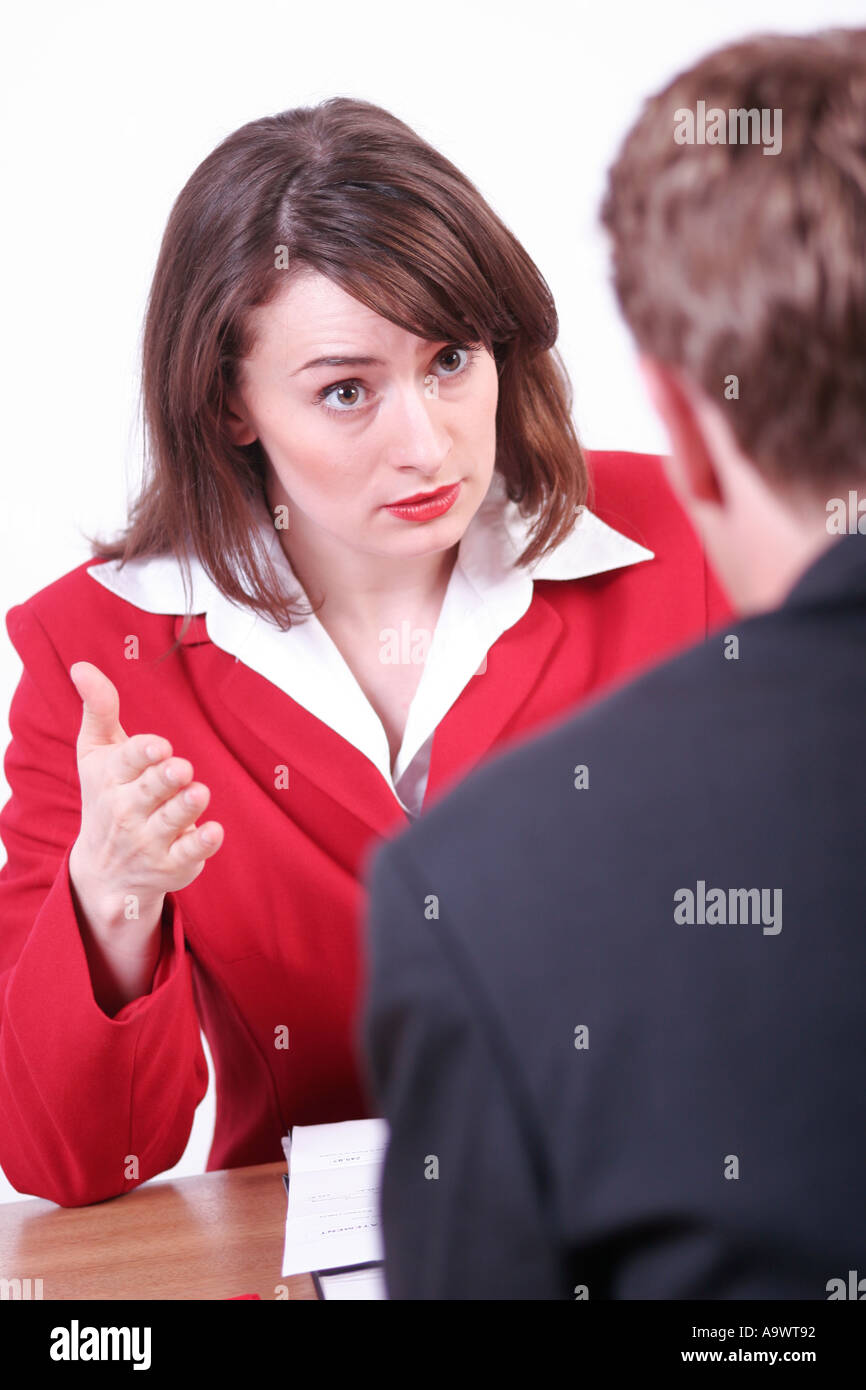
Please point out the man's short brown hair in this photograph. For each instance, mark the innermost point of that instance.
(733, 263)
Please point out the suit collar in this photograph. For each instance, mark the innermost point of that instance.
(837, 575)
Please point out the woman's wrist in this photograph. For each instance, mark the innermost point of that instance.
(125, 922)
(122, 954)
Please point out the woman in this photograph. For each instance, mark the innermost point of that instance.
(288, 637)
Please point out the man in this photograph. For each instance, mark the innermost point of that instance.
(616, 1010)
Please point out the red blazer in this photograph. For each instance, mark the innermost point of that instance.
(269, 934)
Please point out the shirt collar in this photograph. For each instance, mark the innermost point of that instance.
(486, 594)
(493, 540)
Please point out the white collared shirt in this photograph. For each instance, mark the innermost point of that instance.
(486, 595)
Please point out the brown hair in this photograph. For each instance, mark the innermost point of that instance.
(728, 261)
(356, 195)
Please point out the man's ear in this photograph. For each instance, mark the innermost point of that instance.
(240, 431)
(692, 468)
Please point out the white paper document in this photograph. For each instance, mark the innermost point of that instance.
(333, 1210)
(354, 1284)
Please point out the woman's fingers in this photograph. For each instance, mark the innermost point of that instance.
(161, 781)
(196, 844)
(176, 814)
(138, 754)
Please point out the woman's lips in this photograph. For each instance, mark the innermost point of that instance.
(435, 504)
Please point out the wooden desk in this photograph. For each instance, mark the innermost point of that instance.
(213, 1236)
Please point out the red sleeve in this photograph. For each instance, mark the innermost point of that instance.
(82, 1094)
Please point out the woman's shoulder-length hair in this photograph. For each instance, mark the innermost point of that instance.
(346, 189)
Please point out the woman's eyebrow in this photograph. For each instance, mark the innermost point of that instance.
(339, 362)
(425, 345)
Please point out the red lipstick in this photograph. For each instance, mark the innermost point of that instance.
(424, 506)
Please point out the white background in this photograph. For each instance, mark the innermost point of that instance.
(107, 109)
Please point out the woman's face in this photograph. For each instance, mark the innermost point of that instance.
(344, 440)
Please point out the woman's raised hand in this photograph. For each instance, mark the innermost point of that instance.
(138, 838)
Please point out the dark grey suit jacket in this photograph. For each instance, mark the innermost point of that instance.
(590, 1094)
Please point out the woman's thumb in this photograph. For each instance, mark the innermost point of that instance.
(100, 716)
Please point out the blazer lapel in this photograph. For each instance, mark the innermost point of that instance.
(296, 738)
(493, 696)
(468, 731)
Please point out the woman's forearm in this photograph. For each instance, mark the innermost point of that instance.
(121, 955)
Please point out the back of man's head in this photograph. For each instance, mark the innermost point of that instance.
(737, 212)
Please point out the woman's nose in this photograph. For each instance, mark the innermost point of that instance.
(418, 434)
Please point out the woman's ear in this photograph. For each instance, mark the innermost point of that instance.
(240, 430)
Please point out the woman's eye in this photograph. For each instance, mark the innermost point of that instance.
(449, 358)
(344, 396)
(348, 397)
